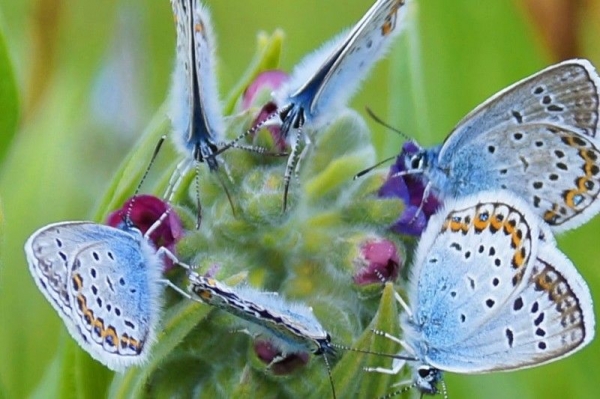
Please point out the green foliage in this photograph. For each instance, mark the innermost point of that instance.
(9, 102)
(60, 164)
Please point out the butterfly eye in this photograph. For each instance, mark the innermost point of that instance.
(416, 162)
(283, 114)
(425, 372)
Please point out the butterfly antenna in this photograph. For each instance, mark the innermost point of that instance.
(291, 165)
(227, 194)
(389, 355)
(198, 202)
(248, 132)
(385, 124)
(328, 366)
(444, 390)
(127, 218)
(370, 168)
(381, 277)
(400, 391)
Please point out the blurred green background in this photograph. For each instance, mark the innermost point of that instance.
(79, 81)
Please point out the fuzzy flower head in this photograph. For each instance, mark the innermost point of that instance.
(266, 81)
(144, 211)
(377, 261)
(410, 188)
(267, 353)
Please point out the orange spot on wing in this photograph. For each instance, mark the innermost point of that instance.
(496, 222)
(112, 335)
(77, 281)
(204, 294)
(551, 216)
(519, 258)
(98, 323)
(509, 227)
(390, 20)
(481, 224)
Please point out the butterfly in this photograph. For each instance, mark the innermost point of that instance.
(537, 138)
(197, 121)
(290, 326)
(323, 82)
(489, 291)
(105, 283)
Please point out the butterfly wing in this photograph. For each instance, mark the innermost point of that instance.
(181, 96)
(343, 63)
(195, 108)
(536, 138)
(292, 326)
(204, 57)
(78, 266)
(565, 94)
(490, 293)
(50, 252)
(556, 170)
(114, 291)
(550, 317)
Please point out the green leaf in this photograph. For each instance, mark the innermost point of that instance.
(349, 376)
(177, 323)
(9, 100)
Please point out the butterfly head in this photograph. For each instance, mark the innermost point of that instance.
(418, 162)
(426, 379)
(292, 117)
(205, 150)
(324, 346)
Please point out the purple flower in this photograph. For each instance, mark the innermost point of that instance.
(410, 188)
(268, 80)
(377, 261)
(145, 211)
(267, 352)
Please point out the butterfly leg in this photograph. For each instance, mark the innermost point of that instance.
(183, 293)
(157, 224)
(242, 331)
(234, 143)
(397, 365)
(426, 193)
(291, 166)
(396, 340)
(276, 359)
(260, 150)
(180, 171)
(307, 145)
(269, 293)
(403, 304)
(162, 251)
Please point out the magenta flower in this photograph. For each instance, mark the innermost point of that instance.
(377, 261)
(267, 352)
(410, 188)
(268, 80)
(145, 211)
